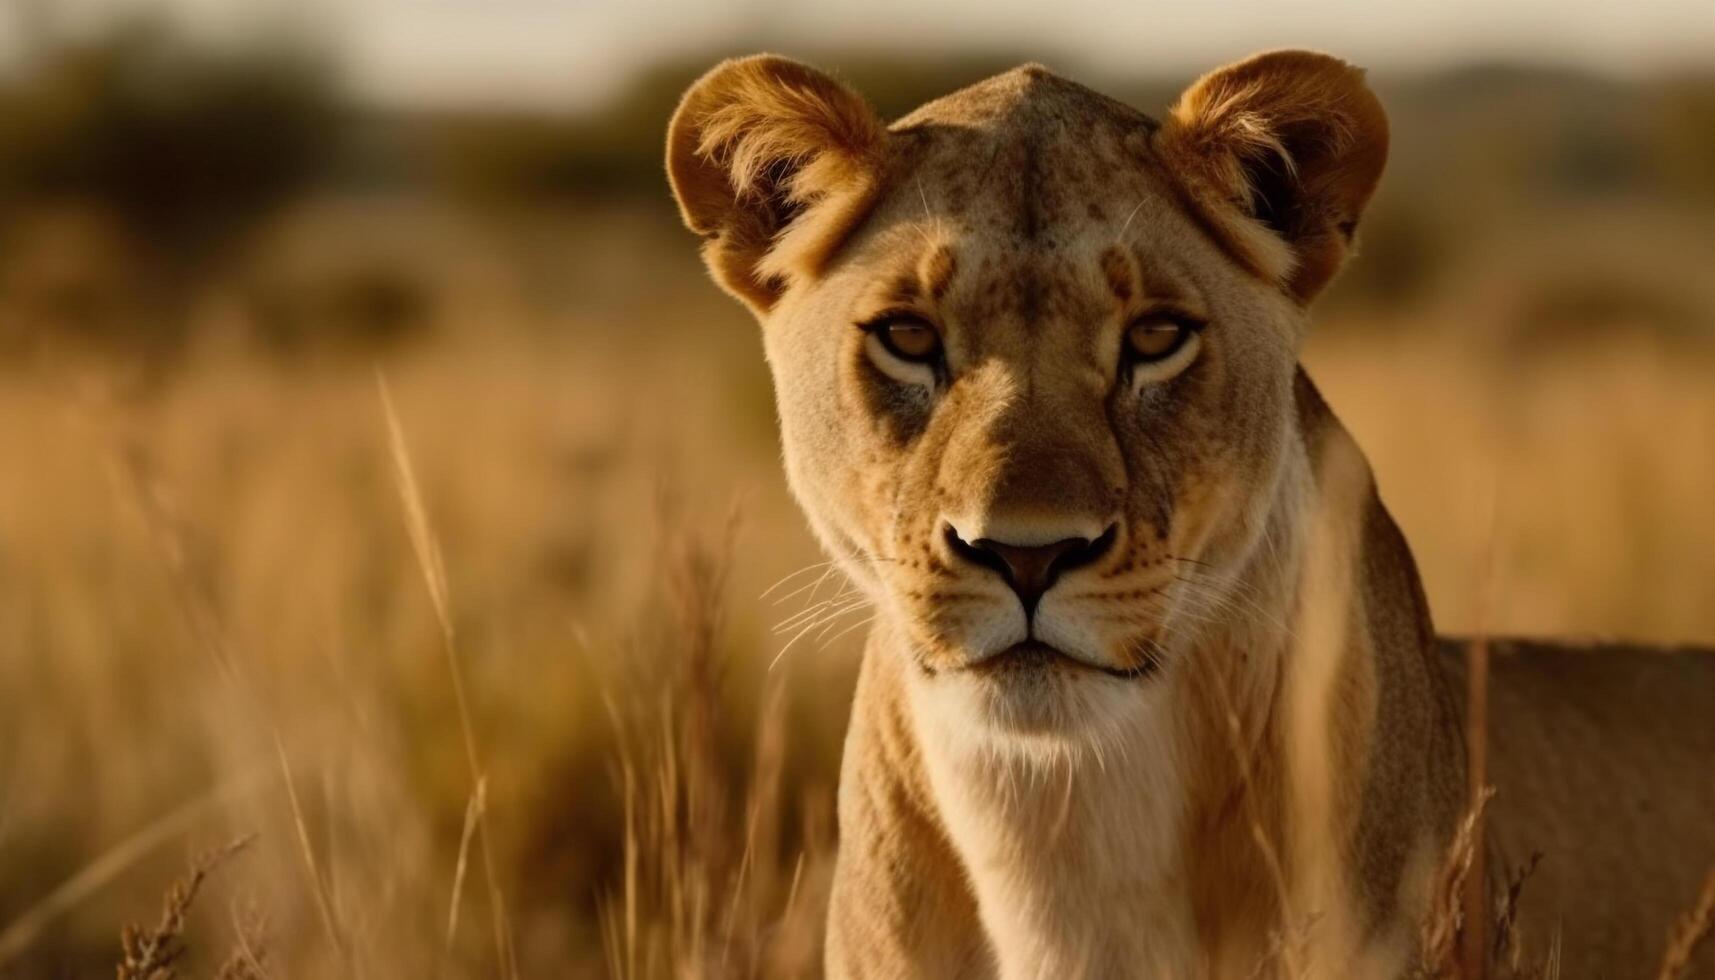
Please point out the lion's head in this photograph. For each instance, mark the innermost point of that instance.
(1034, 353)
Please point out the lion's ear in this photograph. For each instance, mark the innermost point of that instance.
(773, 163)
(1291, 141)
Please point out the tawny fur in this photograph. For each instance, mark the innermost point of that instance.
(1247, 761)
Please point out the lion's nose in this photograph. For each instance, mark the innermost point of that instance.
(1031, 569)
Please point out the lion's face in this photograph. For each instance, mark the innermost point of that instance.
(1033, 397)
(1035, 417)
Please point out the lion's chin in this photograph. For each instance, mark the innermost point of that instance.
(1033, 656)
(1032, 695)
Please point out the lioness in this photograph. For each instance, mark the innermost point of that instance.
(1153, 689)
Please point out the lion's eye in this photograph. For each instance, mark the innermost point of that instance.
(905, 347)
(1155, 337)
(1159, 345)
(909, 339)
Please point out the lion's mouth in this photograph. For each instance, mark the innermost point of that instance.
(1034, 656)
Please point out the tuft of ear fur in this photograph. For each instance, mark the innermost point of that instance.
(1282, 148)
(773, 163)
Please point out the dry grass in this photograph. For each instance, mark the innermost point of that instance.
(497, 654)
(704, 891)
(427, 549)
(224, 597)
(155, 954)
(1689, 933)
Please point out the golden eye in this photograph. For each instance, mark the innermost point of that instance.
(1155, 337)
(909, 339)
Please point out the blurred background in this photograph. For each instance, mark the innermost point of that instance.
(384, 486)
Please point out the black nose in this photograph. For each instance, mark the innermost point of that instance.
(1031, 569)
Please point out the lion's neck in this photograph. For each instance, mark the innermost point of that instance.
(1072, 856)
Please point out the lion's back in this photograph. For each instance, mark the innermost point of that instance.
(1603, 761)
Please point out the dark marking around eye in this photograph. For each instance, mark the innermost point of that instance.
(900, 410)
(1151, 464)
(937, 271)
(1117, 268)
(904, 291)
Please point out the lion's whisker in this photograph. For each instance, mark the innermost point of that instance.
(789, 576)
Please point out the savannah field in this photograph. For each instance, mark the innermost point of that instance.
(415, 579)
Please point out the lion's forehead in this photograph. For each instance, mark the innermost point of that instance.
(1050, 306)
(1029, 200)
(1030, 157)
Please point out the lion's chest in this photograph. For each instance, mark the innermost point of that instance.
(1074, 861)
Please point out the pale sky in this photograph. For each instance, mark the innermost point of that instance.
(568, 52)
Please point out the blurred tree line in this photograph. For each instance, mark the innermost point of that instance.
(186, 144)
(179, 155)
(175, 153)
